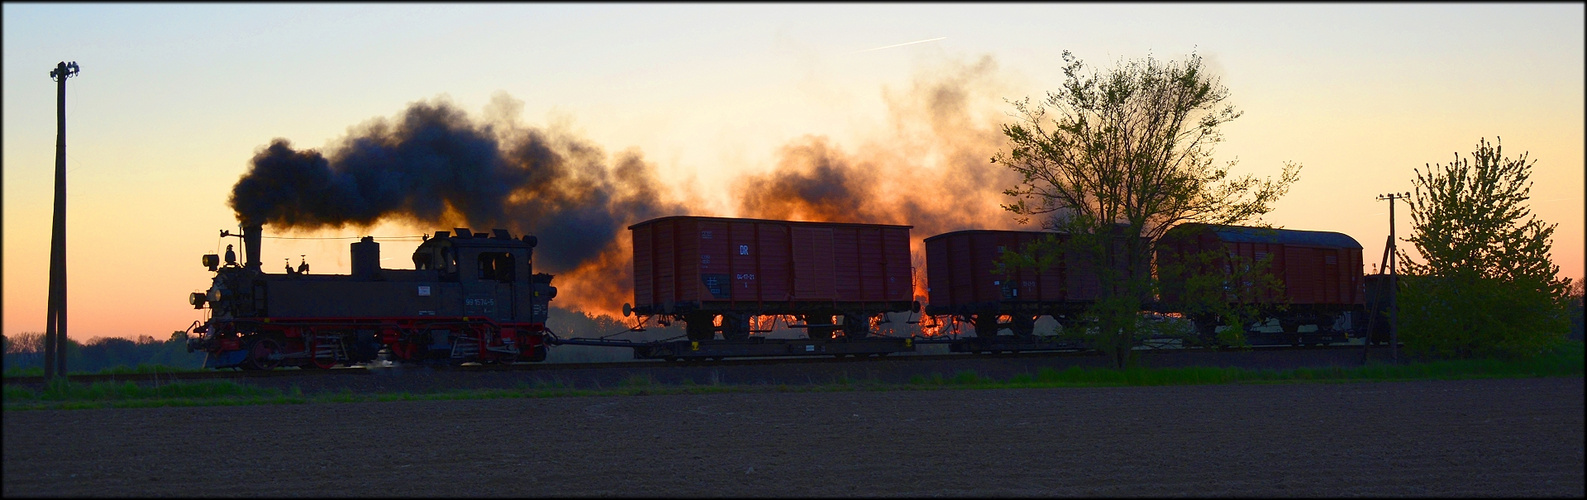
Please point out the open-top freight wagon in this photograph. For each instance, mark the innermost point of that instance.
(716, 274)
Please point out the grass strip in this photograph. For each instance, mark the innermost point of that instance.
(1565, 361)
(141, 369)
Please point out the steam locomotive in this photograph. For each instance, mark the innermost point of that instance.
(473, 297)
(469, 297)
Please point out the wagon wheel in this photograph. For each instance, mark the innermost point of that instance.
(1206, 327)
(259, 352)
(1023, 326)
(735, 326)
(699, 328)
(985, 327)
(819, 333)
(856, 327)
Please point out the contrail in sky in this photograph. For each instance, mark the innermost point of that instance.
(902, 44)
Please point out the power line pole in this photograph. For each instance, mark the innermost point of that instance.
(1391, 256)
(55, 326)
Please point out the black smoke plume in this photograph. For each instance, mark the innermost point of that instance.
(434, 167)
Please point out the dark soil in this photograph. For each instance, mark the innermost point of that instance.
(1514, 437)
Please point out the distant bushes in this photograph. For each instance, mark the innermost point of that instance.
(24, 354)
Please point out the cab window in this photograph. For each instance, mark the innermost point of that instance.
(497, 266)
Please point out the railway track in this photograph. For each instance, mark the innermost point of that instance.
(356, 371)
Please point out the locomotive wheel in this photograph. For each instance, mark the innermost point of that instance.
(319, 364)
(259, 352)
(538, 354)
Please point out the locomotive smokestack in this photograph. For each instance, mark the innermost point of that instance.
(250, 245)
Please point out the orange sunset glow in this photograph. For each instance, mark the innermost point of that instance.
(573, 124)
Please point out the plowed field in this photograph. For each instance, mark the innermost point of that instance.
(1520, 437)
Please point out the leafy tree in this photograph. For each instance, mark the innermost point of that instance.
(1486, 285)
(1114, 158)
(101, 353)
(1578, 289)
(24, 350)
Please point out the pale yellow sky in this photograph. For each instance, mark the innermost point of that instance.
(173, 101)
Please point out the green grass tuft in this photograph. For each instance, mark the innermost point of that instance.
(38, 371)
(63, 394)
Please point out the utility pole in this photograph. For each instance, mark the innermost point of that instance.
(1391, 255)
(55, 326)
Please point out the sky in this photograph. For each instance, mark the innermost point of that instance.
(715, 109)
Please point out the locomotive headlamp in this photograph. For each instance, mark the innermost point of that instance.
(196, 299)
(214, 295)
(211, 261)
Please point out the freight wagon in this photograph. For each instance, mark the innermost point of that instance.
(1319, 274)
(966, 283)
(715, 274)
(963, 279)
